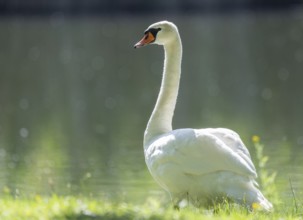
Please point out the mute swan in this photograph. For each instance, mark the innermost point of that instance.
(203, 166)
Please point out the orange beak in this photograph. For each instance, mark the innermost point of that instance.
(147, 39)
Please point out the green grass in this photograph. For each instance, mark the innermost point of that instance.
(82, 208)
(73, 208)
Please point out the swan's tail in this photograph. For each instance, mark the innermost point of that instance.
(252, 197)
(249, 195)
(260, 202)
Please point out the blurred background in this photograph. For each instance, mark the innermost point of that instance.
(75, 96)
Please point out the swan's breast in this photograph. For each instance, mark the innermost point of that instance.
(161, 150)
(164, 156)
(166, 146)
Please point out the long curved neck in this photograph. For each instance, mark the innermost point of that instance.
(160, 120)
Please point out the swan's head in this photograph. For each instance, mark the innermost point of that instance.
(160, 33)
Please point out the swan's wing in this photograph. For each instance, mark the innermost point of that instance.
(209, 153)
(196, 152)
(233, 141)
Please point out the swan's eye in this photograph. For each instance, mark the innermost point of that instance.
(154, 31)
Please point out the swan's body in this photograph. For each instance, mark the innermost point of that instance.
(202, 165)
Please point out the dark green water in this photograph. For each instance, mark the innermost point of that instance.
(75, 97)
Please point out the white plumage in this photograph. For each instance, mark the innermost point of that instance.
(202, 165)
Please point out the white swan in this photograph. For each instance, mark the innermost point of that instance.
(200, 165)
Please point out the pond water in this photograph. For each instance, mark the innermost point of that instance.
(75, 97)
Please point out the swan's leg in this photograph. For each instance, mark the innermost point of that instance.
(187, 196)
(176, 202)
(179, 199)
(176, 207)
